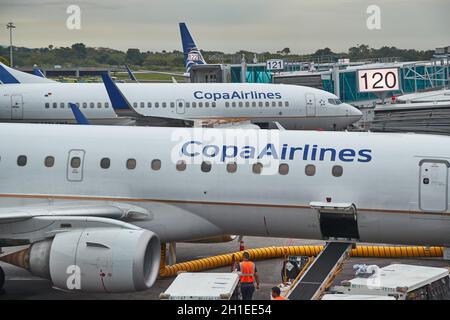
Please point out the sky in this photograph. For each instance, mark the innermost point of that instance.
(229, 25)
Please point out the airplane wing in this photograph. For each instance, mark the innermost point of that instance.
(79, 116)
(123, 108)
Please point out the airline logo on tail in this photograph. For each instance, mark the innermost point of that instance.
(192, 54)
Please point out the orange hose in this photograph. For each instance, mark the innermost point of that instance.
(278, 252)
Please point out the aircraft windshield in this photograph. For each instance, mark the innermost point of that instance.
(335, 101)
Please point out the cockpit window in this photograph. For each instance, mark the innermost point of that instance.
(334, 101)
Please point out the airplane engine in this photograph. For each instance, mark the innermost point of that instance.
(98, 260)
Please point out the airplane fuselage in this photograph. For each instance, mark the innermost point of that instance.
(249, 182)
(294, 107)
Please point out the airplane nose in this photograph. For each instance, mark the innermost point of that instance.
(353, 112)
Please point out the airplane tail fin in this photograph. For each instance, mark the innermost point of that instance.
(131, 74)
(192, 54)
(38, 72)
(12, 76)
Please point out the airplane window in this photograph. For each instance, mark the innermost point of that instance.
(149, 104)
(194, 104)
(247, 104)
(337, 171)
(172, 104)
(274, 104)
(92, 105)
(286, 103)
(213, 104)
(260, 103)
(156, 105)
(55, 105)
(200, 104)
(187, 104)
(334, 101)
(49, 161)
(240, 104)
(181, 165)
(47, 105)
(84, 105)
(206, 104)
(142, 104)
(267, 104)
(283, 169)
(75, 162)
(134, 104)
(131, 164)
(254, 104)
(106, 105)
(231, 167)
(280, 104)
(61, 105)
(105, 163)
(206, 166)
(156, 164)
(227, 104)
(338, 101)
(257, 168)
(310, 170)
(78, 104)
(22, 161)
(164, 104)
(233, 104)
(99, 104)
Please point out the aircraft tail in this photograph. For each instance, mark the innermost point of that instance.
(38, 72)
(192, 54)
(12, 76)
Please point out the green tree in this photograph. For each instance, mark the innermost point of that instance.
(134, 56)
(79, 50)
(4, 60)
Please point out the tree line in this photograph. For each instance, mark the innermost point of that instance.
(80, 55)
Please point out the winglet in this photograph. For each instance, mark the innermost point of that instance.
(79, 116)
(5, 76)
(38, 72)
(192, 54)
(120, 104)
(130, 73)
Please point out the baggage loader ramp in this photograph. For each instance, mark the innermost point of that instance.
(314, 281)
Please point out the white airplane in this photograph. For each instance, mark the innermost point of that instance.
(215, 104)
(96, 201)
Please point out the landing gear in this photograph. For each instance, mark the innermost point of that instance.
(2, 280)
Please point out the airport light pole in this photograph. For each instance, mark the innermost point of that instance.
(10, 26)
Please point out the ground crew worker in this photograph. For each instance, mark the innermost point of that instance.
(276, 294)
(249, 275)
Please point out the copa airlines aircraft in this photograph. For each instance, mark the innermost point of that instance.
(102, 198)
(294, 107)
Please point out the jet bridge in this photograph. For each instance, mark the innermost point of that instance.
(321, 272)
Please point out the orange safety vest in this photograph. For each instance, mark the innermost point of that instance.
(247, 271)
(280, 298)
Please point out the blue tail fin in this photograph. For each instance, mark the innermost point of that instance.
(131, 74)
(79, 116)
(192, 54)
(38, 72)
(6, 77)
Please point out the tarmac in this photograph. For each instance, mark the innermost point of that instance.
(20, 284)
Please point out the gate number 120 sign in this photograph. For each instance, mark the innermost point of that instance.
(378, 80)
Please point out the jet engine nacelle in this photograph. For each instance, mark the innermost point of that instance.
(98, 260)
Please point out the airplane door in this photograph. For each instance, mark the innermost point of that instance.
(310, 105)
(16, 107)
(180, 106)
(75, 165)
(433, 185)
